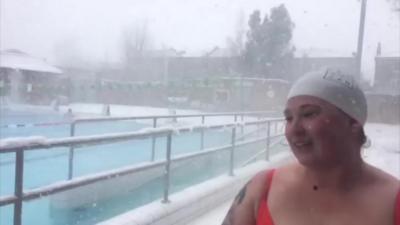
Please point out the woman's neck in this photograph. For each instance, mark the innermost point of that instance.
(341, 177)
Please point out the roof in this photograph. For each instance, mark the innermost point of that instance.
(255, 79)
(170, 52)
(220, 52)
(394, 58)
(15, 59)
(321, 53)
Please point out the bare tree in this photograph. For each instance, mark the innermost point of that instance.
(136, 41)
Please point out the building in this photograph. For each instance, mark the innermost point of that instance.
(387, 75)
(384, 97)
(27, 79)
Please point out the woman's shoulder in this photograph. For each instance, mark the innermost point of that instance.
(382, 179)
(261, 182)
(382, 191)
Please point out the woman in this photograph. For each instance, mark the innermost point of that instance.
(329, 184)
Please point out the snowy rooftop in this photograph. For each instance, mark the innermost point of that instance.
(15, 59)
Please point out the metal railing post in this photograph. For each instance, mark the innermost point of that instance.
(242, 127)
(167, 169)
(202, 133)
(71, 153)
(19, 182)
(232, 153)
(153, 141)
(236, 118)
(268, 140)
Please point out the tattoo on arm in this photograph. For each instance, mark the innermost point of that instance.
(238, 200)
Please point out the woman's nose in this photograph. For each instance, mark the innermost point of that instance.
(296, 127)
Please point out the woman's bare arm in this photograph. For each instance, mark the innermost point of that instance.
(245, 205)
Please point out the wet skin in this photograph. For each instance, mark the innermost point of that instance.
(319, 134)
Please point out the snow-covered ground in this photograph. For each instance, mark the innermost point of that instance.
(383, 153)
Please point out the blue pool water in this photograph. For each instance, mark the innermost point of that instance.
(43, 167)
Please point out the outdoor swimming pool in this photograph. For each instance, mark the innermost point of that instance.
(44, 167)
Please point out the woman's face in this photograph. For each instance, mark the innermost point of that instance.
(318, 133)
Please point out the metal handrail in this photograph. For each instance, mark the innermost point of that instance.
(154, 117)
(100, 119)
(77, 182)
(75, 122)
(258, 154)
(81, 181)
(83, 141)
(20, 195)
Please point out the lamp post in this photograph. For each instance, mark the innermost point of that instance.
(360, 38)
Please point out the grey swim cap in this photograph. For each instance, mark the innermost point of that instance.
(335, 87)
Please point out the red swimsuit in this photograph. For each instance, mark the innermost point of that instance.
(264, 216)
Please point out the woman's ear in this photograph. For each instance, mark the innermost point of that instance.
(355, 126)
(358, 130)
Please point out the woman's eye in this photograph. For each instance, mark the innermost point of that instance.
(288, 118)
(310, 114)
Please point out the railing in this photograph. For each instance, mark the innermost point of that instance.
(155, 119)
(74, 142)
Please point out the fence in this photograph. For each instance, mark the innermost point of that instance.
(155, 119)
(74, 142)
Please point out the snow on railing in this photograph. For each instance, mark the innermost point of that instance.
(201, 115)
(39, 142)
(20, 142)
(24, 125)
(154, 117)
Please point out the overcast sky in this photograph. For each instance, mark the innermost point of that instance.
(94, 27)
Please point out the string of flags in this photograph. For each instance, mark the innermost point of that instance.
(125, 86)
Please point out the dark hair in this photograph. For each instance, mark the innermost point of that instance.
(362, 137)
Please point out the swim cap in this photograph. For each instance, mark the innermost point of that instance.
(335, 87)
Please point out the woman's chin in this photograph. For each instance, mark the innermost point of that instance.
(307, 159)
